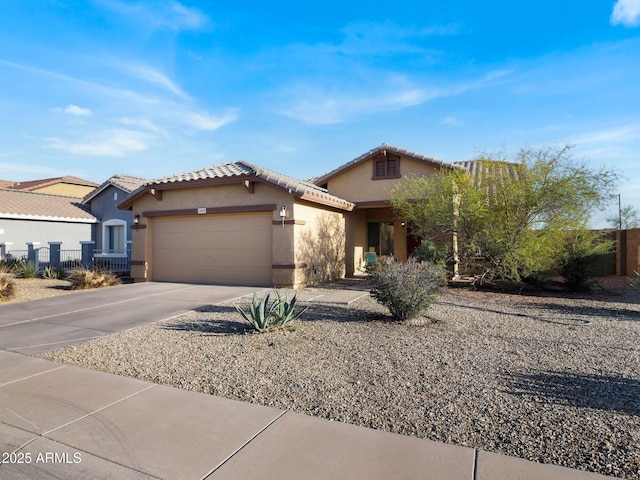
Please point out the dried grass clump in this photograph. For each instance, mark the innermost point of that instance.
(83, 278)
(7, 288)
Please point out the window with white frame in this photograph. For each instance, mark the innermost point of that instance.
(114, 236)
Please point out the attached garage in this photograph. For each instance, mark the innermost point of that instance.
(233, 249)
(234, 223)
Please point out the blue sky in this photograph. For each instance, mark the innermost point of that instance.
(155, 87)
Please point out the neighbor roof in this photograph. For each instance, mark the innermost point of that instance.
(480, 170)
(45, 182)
(6, 183)
(382, 148)
(126, 183)
(21, 205)
(244, 170)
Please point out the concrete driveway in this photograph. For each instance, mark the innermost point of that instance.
(44, 325)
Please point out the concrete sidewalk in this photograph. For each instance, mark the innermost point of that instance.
(59, 421)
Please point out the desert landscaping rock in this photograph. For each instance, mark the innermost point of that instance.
(542, 377)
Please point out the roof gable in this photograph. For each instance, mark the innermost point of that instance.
(237, 172)
(45, 182)
(126, 183)
(385, 147)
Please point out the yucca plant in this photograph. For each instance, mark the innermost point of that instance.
(53, 273)
(24, 269)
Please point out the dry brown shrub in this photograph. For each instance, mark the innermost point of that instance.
(82, 279)
(7, 288)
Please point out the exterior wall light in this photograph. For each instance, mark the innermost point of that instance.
(136, 220)
(283, 213)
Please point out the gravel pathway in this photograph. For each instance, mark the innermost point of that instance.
(549, 379)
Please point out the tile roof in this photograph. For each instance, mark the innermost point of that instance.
(390, 148)
(6, 183)
(45, 182)
(480, 170)
(126, 183)
(41, 206)
(301, 189)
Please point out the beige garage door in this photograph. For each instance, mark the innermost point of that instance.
(226, 249)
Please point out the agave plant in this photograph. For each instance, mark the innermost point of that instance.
(285, 310)
(260, 314)
(264, 317)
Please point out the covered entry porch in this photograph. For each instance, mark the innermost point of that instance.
(376, 229)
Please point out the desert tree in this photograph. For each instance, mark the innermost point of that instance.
(509, 217)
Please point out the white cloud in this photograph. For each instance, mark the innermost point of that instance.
(152, 75)
(20, 171)
(621, 134)
(314, 106)
(77, 111)
(627, 13)
(167, 14)
(453, 121)
(203, 121)
(144, 123)
(110, 143)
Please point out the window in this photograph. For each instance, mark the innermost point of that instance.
(380, 237)
(114, 238)
(386, 167)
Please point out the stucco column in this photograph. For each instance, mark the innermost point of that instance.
(3, 249)
(87, 253)
(54, 254)
(32, 252)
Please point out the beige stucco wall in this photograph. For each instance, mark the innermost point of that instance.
(356, 236)
(66, 189)
(302, 221)
(356, 184)
(319, 242)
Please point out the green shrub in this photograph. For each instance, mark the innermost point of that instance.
(406, 289)
(636, 283)
(25, 269)
(53, 273)
(429, 252)
(83, 278)
(264, 317)
(581, 250)
(7, 288)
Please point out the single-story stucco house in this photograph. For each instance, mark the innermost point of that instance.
(238, 223)
(40, 218)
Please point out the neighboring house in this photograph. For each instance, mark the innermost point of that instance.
(112, 233)
(67, 186)
(28, 217)
(238, 223)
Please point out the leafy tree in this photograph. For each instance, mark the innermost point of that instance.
(511, 215)
(627, 218)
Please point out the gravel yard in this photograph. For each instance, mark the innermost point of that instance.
(554, 379)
